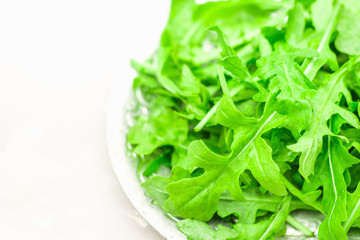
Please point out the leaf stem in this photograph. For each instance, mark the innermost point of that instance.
(351, 219)
(206, 118)
(299, 226)
(276, 218)
(309, 66)
(223, 83)
(212, 110)
(297, 193)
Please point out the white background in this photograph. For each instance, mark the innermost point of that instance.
(58, 60)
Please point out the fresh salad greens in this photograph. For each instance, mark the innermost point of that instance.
(251, 113)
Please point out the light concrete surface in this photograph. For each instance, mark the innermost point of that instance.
(58, 59)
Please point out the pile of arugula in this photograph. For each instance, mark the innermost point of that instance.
(252, 112)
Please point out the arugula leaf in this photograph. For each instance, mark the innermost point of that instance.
(285, 75)
(226, 13)
(324, 17)
(223, 172)
(308, 198)
(154, 165)
(234, 65)
(295, 25)
(321, 12)
(255, 201)
(154, 186)
(264, 229)
(352, 5)
(332, 163)
(179, 157)
(180, 18)
(153, 134)
(190, 85)
(324, 106)
(353, 208)
(348, 27)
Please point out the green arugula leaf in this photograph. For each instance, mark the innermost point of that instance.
(233, 64)
(266, 228)
(154, 186)
(295, 26)
(227, 50)
(348, 27)
(179, 157)
(180, 18)
(255, 201)
(148, 132)
(352, 5)
(324, 106)
(331, 165)
(309, 198)
(353, 208)
(324, 17)
(226, 13)
(321, 12)
(154, 165)
(248, 151)
(189, 84)
(285, 75)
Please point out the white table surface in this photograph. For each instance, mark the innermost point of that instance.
(58, 60)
